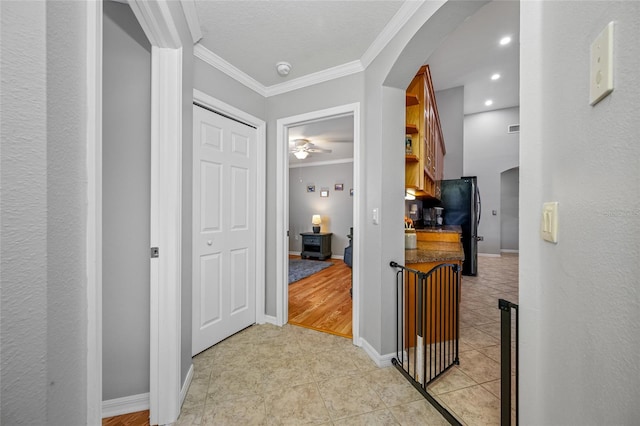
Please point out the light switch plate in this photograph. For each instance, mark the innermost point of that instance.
(601, 70)
(549, 228)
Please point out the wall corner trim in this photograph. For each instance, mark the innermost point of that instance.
(125, 405)
(186, 384)
(380, 360)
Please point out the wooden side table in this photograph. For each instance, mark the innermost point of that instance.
(316, 245)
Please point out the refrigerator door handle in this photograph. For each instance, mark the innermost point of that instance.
(479, 204)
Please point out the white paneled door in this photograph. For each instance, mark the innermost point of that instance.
(224, 252)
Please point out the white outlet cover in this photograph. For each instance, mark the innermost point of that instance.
(549, 226)
(601, 70)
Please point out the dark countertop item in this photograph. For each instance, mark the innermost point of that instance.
(434, 251)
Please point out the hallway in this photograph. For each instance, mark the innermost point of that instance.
(293, 375)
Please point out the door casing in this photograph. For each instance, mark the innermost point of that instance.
(282, 200)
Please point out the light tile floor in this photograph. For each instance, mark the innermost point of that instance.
(267, 375)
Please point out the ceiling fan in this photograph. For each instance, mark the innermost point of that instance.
(302, 148)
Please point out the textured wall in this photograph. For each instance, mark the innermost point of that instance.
(336, 210)
(23, 248)
(126, 203)
(488, 151)
(451, 112)
(580, 298)
(43, 206)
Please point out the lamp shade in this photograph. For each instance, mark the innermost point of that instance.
(301, 155)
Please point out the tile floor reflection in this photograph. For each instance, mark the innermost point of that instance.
(268, 375)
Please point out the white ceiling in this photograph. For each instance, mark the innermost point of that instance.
(311, 35)
(316, 37)
(471, 54)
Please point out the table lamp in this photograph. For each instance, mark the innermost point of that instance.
(316, 221)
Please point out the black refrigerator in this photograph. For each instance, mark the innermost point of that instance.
(460, 199)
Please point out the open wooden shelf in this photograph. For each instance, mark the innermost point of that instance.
(411, 99)
(411, 158)
(411, 128)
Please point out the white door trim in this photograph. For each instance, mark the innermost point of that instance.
(156, 20)
(282, 209)
(166, 233)
(94, 212)
(260, 202)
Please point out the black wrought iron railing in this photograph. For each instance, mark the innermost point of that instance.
(506, 308)
(427, 326)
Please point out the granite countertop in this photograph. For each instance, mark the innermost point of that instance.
(445, 229)
(434, 251)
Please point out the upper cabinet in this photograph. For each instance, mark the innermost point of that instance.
(424, 143)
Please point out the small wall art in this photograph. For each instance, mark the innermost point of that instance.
(311, 188)
(338, 187)
(324, 192)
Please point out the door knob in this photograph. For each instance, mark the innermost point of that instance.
(209, 242)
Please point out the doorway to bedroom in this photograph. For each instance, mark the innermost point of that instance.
(321, 182)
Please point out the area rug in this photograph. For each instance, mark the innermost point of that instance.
(302, 268)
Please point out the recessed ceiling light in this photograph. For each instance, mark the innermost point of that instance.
(488, 102)
(505, 40)
(495, 76)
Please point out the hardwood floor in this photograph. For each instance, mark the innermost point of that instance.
(322, 301)
(140, 418)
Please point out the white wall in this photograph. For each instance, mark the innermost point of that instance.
(509, 211)
(336, 210)
(43, 209)
(580, 298)
(126, 203)
(488, 151)
(451, 111)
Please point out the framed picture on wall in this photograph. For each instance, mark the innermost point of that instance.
(338, 187)
(311, 188)
(324, 192)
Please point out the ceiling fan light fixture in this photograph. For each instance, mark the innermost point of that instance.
(301, 155)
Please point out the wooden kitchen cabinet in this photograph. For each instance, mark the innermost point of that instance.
(424, 164)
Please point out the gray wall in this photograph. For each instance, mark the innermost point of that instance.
(336, 210)
(126, 203)
(509, 211)
(43, 209)
(451, 111)
(488, 151)
(580, 322)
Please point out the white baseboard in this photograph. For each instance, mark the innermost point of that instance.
(186, 384)
(509, 251)
(134, 403)
(125, 405)
(380, 360)
(488, 255)
(337, 256)
(295, 253)
(268, 319)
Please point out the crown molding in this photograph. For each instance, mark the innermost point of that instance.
(220, 64)
(191, 15)
(320, 163)
(157, 23)
(406, 11)
(402, 16)
(338, 71)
